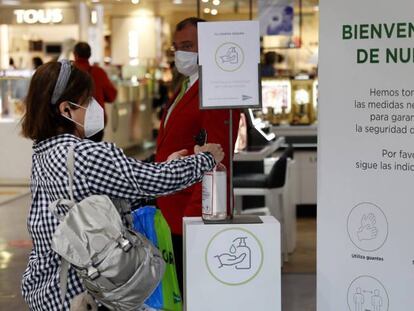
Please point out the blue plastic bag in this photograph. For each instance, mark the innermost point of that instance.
(150, 222)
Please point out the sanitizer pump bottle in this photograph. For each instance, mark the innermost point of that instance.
(215, 194)
(214, 188)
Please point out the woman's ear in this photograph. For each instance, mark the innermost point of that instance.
(64, 108)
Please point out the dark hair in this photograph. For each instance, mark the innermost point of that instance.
(42, 120)
(82, 50)
(188, 21)
(270, 58)
(37, 62)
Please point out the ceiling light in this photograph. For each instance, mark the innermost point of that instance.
(10, 2)
(206, 10)
(135, 1)
(216, 2)
(214, 12)
(177, 2)
(94, 17)
(205, 1)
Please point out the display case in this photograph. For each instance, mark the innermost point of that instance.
(289, 101)
(130, 116)
(276, 100)
(302, 102)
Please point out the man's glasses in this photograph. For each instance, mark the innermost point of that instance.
(185, 46)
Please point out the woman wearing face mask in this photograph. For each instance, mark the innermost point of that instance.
(61, 113)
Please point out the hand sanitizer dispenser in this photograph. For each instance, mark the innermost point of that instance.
(214, 188)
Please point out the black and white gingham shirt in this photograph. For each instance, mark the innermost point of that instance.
(100, 168)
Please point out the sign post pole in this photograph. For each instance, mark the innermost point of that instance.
(231, 162)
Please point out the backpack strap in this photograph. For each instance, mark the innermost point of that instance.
(63, 280)
(64, 264)
(70, 165)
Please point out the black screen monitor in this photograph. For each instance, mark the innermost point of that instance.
(52, 48)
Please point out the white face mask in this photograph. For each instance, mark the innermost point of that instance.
(186, 62)
(94, 118)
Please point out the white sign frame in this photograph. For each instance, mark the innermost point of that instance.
(229, 65)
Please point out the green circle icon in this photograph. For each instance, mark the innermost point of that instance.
(234, 256)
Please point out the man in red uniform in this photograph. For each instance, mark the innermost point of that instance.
(181, 122)
(104, 90)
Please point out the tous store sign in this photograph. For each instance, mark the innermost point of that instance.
(40, 16)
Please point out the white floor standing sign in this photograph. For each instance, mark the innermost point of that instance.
(229, 57)
(232, 267)
(366, 156)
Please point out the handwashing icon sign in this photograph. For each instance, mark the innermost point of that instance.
(234, 256)
(238, 256)
(229, 56)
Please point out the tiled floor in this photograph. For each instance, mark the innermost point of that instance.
(298, 292)
(14, 248)
(298, 280)
(303, 260)
(299, 274)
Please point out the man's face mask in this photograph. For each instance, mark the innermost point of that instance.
(94, 118)
(186, 62)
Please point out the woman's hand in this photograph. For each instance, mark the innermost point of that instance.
(215, 149)
(177, 155)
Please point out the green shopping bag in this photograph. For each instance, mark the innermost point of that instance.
(150, 222)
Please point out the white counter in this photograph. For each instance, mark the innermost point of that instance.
(259, 154)
(15, 154)
(295, 130)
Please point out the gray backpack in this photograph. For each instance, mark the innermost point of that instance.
(119, 267)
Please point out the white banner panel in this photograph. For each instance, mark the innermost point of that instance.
(366, 155)
(229, 57)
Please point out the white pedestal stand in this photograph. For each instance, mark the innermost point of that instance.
(232, 266)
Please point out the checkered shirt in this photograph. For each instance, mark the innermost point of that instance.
(100, 168)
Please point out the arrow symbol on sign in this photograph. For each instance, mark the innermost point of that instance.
(245, 97)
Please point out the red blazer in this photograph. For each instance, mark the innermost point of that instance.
(183, 125)
(104, 91)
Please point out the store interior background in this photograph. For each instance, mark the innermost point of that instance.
(132, 42)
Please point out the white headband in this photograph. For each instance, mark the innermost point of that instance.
(62, 81)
